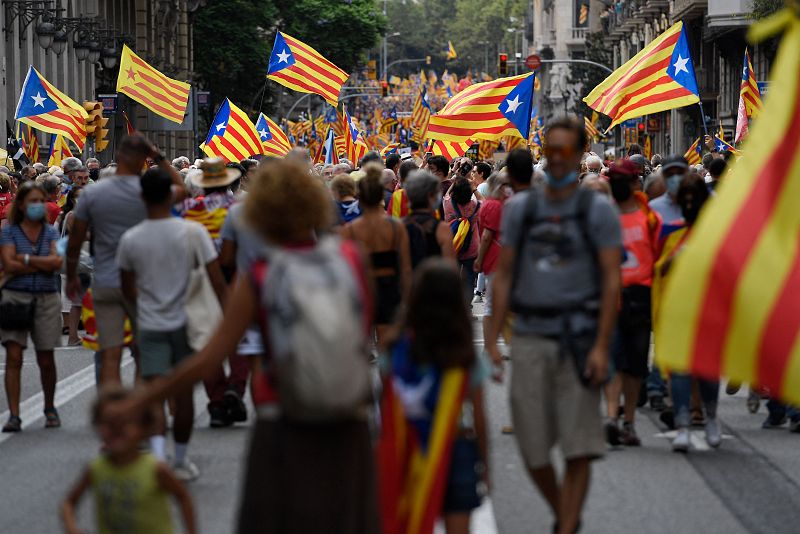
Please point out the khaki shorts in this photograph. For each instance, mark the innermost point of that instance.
(110, 310)
(160, 352)
(550, 406)
(46, 330)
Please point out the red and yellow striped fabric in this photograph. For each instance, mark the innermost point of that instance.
(482, 111)
(449, 149)
(486, 149)
(512, 142)
(658, 78)
(591, 129)
(152, 89)
(232, 135)
(273, 139)
(693, 154)
(297, 66)
(731, 305)
(89, 339)
(748, 91)
(32, 146)
(420, 116)
(398, 204)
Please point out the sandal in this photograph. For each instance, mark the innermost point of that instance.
(14, 424)
(51, 418)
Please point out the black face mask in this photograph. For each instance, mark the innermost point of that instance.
(94, 174)
(620, 190)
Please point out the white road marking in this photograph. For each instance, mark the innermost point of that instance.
(66, 390)
(482, 520)
(697, 438)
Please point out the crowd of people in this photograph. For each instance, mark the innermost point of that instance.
(299, 282)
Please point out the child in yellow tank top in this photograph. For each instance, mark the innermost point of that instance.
(131, 488)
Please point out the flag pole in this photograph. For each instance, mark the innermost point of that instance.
(703, 117)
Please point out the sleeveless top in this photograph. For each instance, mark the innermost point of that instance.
(421, 228)
(128, 499)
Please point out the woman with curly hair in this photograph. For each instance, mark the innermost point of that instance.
(301, 476)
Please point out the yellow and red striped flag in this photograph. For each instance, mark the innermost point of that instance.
(155, 91)
(128, 125)
(512, 142)
(32, 145)
(488, 110)
(731, 304)
(273, 139)
(297, 66)
(59, 150)
(749, 98)
(450, 149)
(658, 78)
(391, 148)
(591, 129)
(486, 149)
(693, 155)
(232, 135)
(420, 115)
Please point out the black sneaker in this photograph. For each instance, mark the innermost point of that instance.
(668, 418)
(237, 411)
(219, 416)
(774, 422)
(612, 434)
(628, 435)
(657, 403)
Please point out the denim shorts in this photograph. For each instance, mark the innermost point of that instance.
(161, 351)
(461, 494)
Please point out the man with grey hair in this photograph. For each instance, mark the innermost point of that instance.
(342, 168)
(389, 182)
(70, 166)
(427, 235)
(594, 164)
(181, 162)
(40, 167)
(92, 163)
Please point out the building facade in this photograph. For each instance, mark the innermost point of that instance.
(157, 30)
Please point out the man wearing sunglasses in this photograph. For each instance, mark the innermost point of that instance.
(559, 272)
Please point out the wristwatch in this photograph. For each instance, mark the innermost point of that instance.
(26, 259)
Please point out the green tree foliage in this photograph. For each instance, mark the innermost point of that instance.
(765, 8)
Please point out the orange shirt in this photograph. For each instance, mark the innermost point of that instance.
(640, 249)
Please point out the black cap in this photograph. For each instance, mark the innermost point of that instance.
(674, 161)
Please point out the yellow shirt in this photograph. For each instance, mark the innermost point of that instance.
(128, 500)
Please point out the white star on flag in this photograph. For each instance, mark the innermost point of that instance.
(38, 99)
(513, 104)
(264, 134)
(220, 126)
(680, 65)
(283, 57)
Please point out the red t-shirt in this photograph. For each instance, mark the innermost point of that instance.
(5, 202)
(489, 219)
(640, 250)
(53, 210)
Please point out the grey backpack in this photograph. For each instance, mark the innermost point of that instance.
(315, 318)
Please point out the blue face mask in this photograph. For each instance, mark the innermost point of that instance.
(673, 184)
(35, 212)
(555, 183)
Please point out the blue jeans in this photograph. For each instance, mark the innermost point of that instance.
(468, 278)
(655, 383)
(682, 398)
(778, 410)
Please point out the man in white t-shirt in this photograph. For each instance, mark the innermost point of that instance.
(155, 258)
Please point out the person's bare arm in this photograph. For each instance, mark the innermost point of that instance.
(445, 239)
(12, 264)
(405, 263)
(217, 280)
(227, 254)
(68, 516)
(501, 289)
(609, 260)
(46, 264)
(128, 284)
(173, 486)
(483, 247)
(77, 235)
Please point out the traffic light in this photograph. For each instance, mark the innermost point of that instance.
(95, 113)
(502, 66)
(100, 135)
(427, 60)
(384, 88)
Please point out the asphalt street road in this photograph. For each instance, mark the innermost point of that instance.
(750, 485)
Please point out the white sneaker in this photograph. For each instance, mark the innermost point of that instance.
(186, 471)
(478, 298)
(713, 433)
(681, 441)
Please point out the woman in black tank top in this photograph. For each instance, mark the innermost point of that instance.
(386, 244)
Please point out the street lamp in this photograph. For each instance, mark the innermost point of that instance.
(45, 32)
(109, 56)
(94, 51)
(59, 41)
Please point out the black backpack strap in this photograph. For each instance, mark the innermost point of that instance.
(585, 201)
(531, 208)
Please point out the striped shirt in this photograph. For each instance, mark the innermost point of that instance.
(37, 282)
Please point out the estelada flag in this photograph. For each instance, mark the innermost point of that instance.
(731, 305)
(157, 92)
(450, 149)
(414, 452)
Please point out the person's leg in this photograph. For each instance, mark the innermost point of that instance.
(457, 523)
(481, 287)
(612, 392)
(240, 370)
(215, 386)
(468, 279)
(546, 483)
(12, 378)
(73, 319)
(656, 388)
(681, 389)
(109, 313)
(109, 367)
(183, 423)
(47, 374)
(573, 494)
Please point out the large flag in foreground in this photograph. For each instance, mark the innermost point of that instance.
(488, 110)
(749, 98)
(298, 66)
(731, 305)
(658, 78)
(155, 91)
(273, 139)
(47, 109)
(232, 135)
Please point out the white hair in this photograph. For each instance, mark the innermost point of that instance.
(594, 159)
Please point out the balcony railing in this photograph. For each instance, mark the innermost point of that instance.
(579, 34)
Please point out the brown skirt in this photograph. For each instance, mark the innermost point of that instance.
(309, 479)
